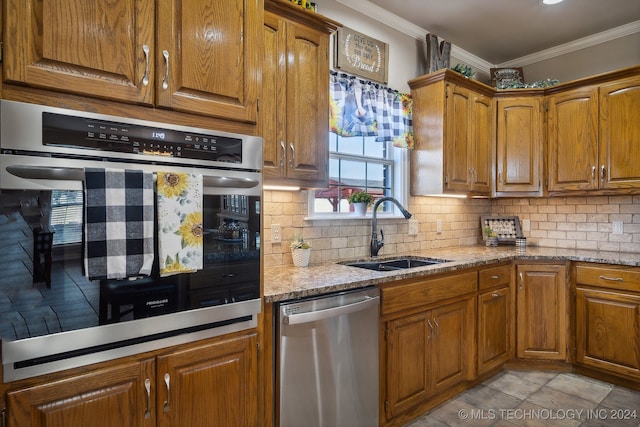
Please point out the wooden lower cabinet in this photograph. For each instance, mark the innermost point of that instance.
(542, 313)
(427, 353)
(211, 383)
(495, 328)
(607, 319)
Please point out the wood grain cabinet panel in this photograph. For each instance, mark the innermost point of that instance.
(188, 55)
(495, 328)
(294, 106)
(542, 312)
(519, 146)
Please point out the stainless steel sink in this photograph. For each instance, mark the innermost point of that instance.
(395, 263)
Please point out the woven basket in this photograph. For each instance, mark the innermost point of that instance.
(301, 257)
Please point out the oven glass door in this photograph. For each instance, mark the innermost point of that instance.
(43, 290)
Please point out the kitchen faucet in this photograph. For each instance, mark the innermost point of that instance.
(375, 244)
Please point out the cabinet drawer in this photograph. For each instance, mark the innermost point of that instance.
(609, 276)
(495, 276)
(423, 291)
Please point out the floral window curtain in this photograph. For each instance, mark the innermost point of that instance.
(363, 108)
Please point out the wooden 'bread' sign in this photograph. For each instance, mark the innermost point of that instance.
(361, 55)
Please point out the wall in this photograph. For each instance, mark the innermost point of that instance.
(574, 222)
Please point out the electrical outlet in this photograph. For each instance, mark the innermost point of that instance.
(438, 226)
(276, 233)
(413, 227)
(618, 227)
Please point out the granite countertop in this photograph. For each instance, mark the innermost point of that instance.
(290, 283)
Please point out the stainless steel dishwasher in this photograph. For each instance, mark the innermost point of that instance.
(328, 360)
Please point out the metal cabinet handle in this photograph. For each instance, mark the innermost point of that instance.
(603, 172)
(593, 173)
(165, 81)
(283, 154)
(147, 387)
(430, 329)
(145, 78)
(612, 279)
(167, 379)
(521, 280)
(500, 177)
(495, 295)
(495, 277)
(437, 326)
(293, 154)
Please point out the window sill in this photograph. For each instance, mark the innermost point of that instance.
(350, 217)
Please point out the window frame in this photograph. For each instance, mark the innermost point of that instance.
(399, 162)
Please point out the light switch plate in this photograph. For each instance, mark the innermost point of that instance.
(413, 227)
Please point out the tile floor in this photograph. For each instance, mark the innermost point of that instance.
(536, 398)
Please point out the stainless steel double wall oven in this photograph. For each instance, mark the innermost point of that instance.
(51, 316)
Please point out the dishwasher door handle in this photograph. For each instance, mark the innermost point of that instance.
(312, 316)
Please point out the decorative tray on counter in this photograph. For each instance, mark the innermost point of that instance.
(506, 227)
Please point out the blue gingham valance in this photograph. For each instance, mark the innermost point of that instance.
(364, 108)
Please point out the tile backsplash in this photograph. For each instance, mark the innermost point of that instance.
(565, 222)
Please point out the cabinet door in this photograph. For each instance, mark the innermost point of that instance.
(620, 134)
(482, 140)
(273, 113)
(209, 385)
(573, 140)
(457, 154)
(104, 398)
(542, 320)
(495, 330)
(94, 48)
(307, 140)
(519, 146)
(452, 355)
(608, 331)
(207, 57)
(407, 370)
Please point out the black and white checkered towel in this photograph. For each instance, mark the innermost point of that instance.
(119, 219)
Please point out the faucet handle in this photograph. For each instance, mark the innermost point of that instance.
(381, 241)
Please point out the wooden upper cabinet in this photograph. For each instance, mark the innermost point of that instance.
(454, 127)
(95, 48)
(207, 57)
(294, 106)
(519, 158)
(189, 55)
(573, 140)
(620, 134)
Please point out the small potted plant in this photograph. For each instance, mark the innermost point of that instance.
(491, 237)
(300, 251)
(360, 201)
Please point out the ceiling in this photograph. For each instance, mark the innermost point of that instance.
(499, 31)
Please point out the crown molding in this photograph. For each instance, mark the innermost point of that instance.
(585, 42)
(402, 25)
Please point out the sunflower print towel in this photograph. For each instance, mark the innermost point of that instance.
(179, 222)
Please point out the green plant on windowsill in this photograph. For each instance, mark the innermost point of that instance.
(361, 197)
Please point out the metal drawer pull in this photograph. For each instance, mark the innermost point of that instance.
(293, 155)
(147, 387)
(283, 154)
(430, 328)
(166, 402)
(437, 326)
(612, 279)
(495, 277)
(521, 280)
(593, 173)
(145, 78)
(495, 295)
(165, 81)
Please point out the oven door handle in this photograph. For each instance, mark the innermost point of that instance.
(77, 174)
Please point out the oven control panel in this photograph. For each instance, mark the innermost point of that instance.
(102, 135)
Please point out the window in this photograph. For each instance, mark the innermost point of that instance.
(360, 164)
(66, 217)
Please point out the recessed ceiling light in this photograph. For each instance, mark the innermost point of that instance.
(551, 1)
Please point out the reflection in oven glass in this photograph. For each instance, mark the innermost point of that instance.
(43, 290)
